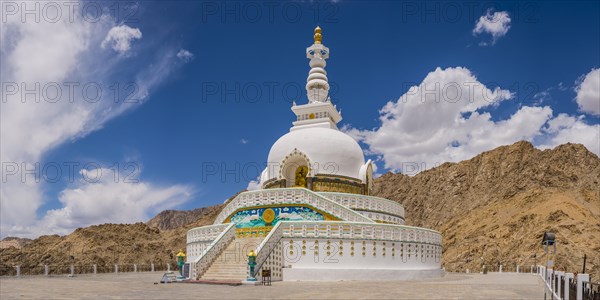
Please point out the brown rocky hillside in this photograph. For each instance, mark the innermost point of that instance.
(497, 205)
(172, 219)
(104, 245)
(494, 206)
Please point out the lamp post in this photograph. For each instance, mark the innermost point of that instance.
(72, 268)
(549, 239)
(251, 264)
(180, 261)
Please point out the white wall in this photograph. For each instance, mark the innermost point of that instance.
(348, 254)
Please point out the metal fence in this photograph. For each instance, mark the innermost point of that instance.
(50, 270)
(495, 269)
(591, 291)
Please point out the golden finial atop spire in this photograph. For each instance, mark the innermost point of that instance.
(318, 36)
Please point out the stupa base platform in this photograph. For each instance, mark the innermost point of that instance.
(302, 274)
(216, 282)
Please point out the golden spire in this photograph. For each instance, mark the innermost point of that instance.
(318, 36)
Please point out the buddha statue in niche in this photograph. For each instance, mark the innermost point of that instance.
(300, 180)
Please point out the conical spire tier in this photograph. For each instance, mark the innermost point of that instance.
(317, 85)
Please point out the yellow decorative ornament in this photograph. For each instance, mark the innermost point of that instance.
(180, 254)
(300, 180)
(268, 216)
(318, 35)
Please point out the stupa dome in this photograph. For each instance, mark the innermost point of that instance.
(325, 151)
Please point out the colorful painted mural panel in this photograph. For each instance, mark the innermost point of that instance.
(258, 217)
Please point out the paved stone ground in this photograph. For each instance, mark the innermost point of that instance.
(141, 286)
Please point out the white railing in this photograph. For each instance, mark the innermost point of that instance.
(200, 238)
(343, 230)
(205, 260)
(205, 233)
(381, 217)
(365, 231)
(557, 283)
(73, 269)
(290, 196)
(364, 202)
(265, 248)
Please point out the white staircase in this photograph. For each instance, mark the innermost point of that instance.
(232, 263)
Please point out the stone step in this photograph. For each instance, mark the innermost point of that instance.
(235, 268)
(232, 263)
(217, 277)
(232, 274)
(225, 279)
(230, 271)
(235, 274)
(239, 271)
(232, 266)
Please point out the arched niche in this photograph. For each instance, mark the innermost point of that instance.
(295, 164)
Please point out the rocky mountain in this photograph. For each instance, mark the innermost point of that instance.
(104, 245)
(492, 208)
(496, 206)
(11, 241)
(172, 219)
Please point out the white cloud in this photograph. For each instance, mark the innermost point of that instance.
(120, 38)
(565, 129)
(110, 201)
(185, 55)
(588, 93)
(496, 24)
(45, 54)
(430, 125)
(244, 141)
(254, 185)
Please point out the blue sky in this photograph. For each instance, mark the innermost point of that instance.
(215, 89)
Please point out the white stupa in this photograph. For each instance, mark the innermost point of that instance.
(314, 218)
(315, 140)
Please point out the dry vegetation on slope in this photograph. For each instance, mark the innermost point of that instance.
(494, 206)
(106, 245)
(497, 205)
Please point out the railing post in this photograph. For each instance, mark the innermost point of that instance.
(116, 268)
(518, 269)
(95, 268)
(18, 270)
(581, 280)
(549, 280)
(559, 279)
(134, 268)
(168, 267)
(152, 267)
(532, 269)
(567, 285)
(500, 270)
(46, 270)
(72, 269)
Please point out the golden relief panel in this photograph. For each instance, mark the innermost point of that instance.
(252, 232)
(340, 187)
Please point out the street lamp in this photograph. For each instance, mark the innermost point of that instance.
(549, 239)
